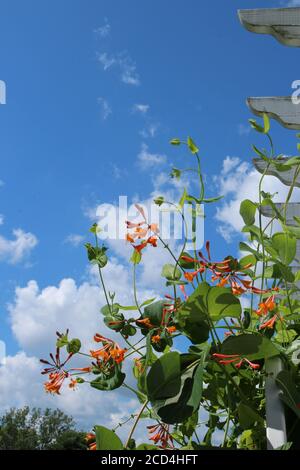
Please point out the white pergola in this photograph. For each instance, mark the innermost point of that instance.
(284, 25)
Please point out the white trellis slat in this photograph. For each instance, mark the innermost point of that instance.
(285, 177)
(275, 417)
(284, 25)
(293, 210)
(281, 108)
(281, 23)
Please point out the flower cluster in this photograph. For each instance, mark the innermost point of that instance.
(234, 359)
(143, 232)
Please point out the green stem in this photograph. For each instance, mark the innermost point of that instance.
(135, 423)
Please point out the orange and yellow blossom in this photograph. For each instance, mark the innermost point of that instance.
(110, 350)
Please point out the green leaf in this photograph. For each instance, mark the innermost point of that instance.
(256, 126)
(147, 447)
(259, 153)
(62, 341)
(266, 123)
(192, 320)
(110, 309)
(248, 211)
(192, 146)
(163, 379)
(154, 312)
(248, 417)
(285, 245)
(221, 303)
(244, 247)
(189, 426)
(251, 346)
(74, 346)
(129, 330)
(105, 383)
(170, 272)
(107, 439)
(295, 231)
(185, 403)
(176, 173)
(134, 307)
(116, 322)
(249, 259)
(290, 395)
(97, 255)
(212, 199)
(159, 201)
(186, 264)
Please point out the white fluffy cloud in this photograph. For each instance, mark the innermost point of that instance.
(35, 315)
(147, 160)
(74, 239)
(141, 108)
(125, 65)
(293, 3)
(22, 384)
(105, 108)
(238, 181)
(103, 31)
(15, 250)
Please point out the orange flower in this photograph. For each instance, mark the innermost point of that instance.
(190, 276)
(145, 322)
(142, 231)
(269, 323)
(226, 272)
(161, 434)
(265, 307)
(55, 382)
(155, 339)
(73, 384)
(110, 350)
(234, 359)
(171, 329)
(91, 439)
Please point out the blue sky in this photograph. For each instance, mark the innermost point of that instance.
(71, 130)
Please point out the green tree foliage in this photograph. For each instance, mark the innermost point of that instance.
(34, 429)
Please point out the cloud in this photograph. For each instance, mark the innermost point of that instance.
(148, 160)
(74, 239)
(106, 61)
(22, 385)
(44, 311)
(16, 250)
(292, 3)
(123, 62)
(106, 110)
(104, 30)
(150, 130)
(141, 108)
(67, 305)
(243, 129)
(238, 181)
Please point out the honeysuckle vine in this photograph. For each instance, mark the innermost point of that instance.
(233, 313)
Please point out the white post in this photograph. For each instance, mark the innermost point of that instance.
(276, 426)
